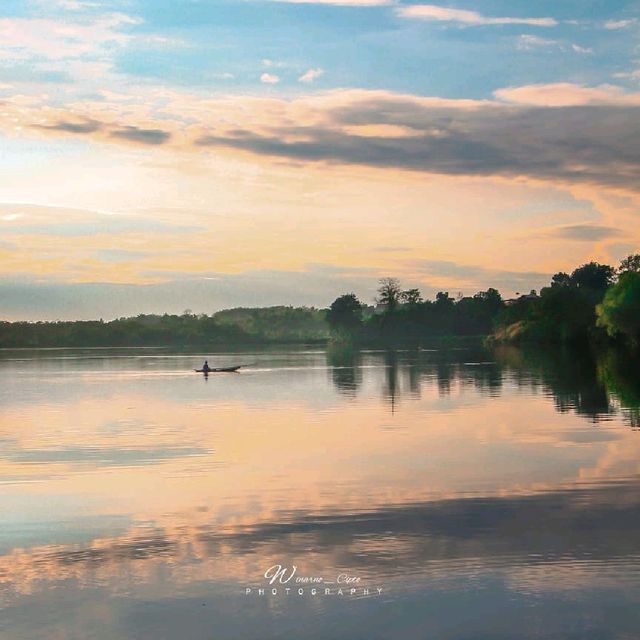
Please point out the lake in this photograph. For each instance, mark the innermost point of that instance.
(452, 493)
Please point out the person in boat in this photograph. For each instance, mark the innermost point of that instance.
(205, 367)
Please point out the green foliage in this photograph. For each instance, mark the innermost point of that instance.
(619, 312)
(236, 326)
(564, 312)
(411, 296)
(345, 313)
(593, 276)
(276, 324)
(561, 279)
(411, 319)
(630, 263)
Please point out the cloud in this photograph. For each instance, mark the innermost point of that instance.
(88, 126)
(143, 136)
(584, 232)
(475, 277)
(578, 49)
(620, 24)
(130, 133)
(342, 3)
(269, 78)
(172, 292)
(527, 42)
(120, 255)
(272, 64)
(38, 299)
(559, 132)
(391, 249)
(311, 75)
(65, 5)
(565, 94)
(633, 75)
(579, 142)
(27, 38)
(27, 220)
(436, 13)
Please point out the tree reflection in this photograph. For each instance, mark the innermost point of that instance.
(345, 364)
(570, 376)
(593, 384)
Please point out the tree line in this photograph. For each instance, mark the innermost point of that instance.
(595, 302)
(234, 326)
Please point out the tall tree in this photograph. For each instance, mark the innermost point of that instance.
(561, 279)
(593, 275)
(389, 293)
(411, 296)
(619, 312)
(345, 312)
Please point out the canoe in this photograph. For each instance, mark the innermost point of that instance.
(219, 369)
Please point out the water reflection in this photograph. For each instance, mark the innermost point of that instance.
(345, 364)
(490, 494)
(596, 385)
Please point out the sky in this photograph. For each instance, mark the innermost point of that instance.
(164, 155)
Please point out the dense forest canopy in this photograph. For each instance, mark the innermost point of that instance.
(595, 302)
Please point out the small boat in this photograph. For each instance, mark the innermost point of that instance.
(219, 369)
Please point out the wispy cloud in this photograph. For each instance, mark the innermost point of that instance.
(632, 75)
(527, 42)
(24, 38)
(584, 232)
(272, 64)
(65, 5)
(437, 13)
(474, 277)
(311, 75)
(342, 3)
(33, 220)
(620, 24)
(578, 49)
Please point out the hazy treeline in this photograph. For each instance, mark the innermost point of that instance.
(235, 326)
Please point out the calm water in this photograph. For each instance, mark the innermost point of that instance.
(473, 494)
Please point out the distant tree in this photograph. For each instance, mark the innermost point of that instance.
(443, 299)
(630, 263)
(491, 297)
(619, 312)
(389, 293)
(561, 279)
(345, 312)
(411, 296)
(593, 275)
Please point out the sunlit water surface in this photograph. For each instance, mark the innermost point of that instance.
(473, 494)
